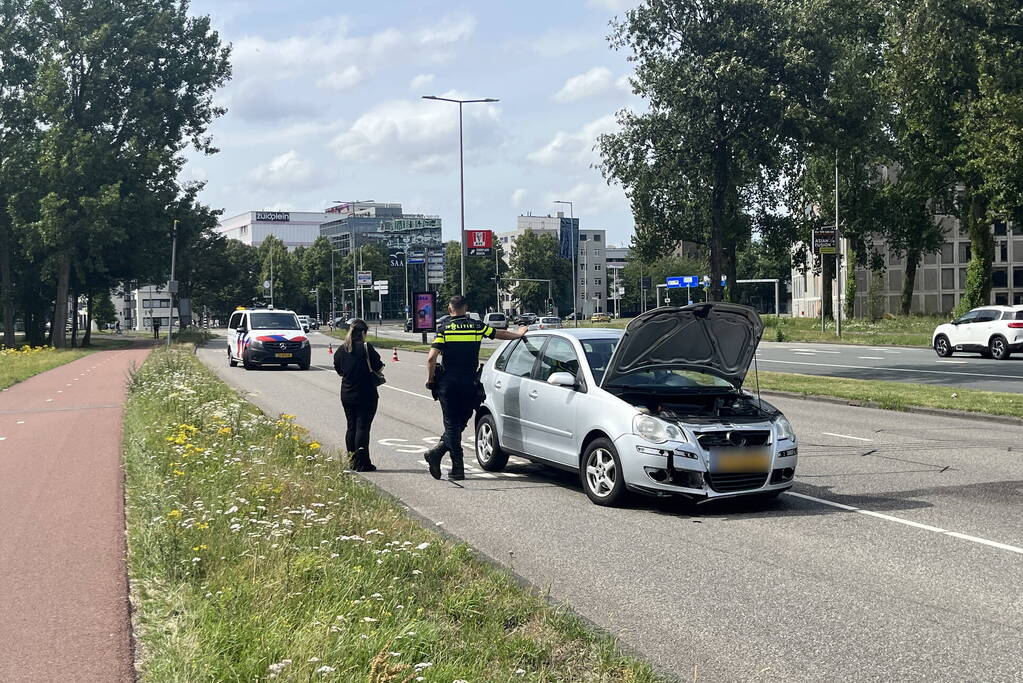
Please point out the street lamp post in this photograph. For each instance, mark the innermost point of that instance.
(461, 173)
(575, 248)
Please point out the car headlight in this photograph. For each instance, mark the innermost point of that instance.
(784, 429)
(305, 343)
(656, 431)
(256, 344)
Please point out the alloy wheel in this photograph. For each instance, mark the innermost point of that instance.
(485, 442)
(942, 346)
(998, 348)
(601, 473)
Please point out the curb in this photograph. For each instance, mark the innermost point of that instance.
(920, 410)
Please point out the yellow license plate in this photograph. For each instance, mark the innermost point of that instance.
(282, 355)
(736, 460)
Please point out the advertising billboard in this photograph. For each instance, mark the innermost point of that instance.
(424, 311)
(479, 242)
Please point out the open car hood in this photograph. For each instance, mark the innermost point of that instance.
(716, 338)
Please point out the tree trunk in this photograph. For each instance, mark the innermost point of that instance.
(909, 281)
(58, 330)
(730, 270)
(74, 318)
(87, 339)
(982, 254)
(827, 285)
(850, 285)
(717, 221)
(6, 287)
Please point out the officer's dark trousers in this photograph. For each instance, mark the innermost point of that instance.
(457, 401)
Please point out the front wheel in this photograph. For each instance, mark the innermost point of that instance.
(303, 366)
(246, 363)
(601, 473)
(999, 348)
(489, 454)
(942, 347)
(231, 360)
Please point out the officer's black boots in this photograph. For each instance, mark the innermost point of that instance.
(457, 472)
(432, 458)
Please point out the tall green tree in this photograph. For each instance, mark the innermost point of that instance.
(727, 83)
(480, 286)
(536, 256)
(123, 87)
(955, 71)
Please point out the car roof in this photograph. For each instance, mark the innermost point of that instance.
(998, 307)
(266, 310)
(582, 333)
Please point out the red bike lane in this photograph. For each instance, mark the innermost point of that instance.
(63, 580)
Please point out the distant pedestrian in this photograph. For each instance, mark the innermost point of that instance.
(117, 327)
(454, 381)
(359, 366)
(156, 328)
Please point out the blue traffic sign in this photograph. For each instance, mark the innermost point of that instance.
(680, 281)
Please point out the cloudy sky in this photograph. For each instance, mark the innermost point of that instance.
(325, 105)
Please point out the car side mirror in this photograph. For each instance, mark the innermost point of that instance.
(561, 379)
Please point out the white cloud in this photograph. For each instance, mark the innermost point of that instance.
(574, 149)
(420, 82)
(284, 171)
(558, 43)
(624, 83)
(589, 198)
(518, 197)
(425, 134)
(613, 5)
(450, 29)
(596, 81)
(343, 79)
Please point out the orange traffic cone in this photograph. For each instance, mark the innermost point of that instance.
(330, 349)
(394, 356)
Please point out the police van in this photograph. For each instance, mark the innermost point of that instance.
(267, 337)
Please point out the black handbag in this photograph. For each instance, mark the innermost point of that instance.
(377, 375)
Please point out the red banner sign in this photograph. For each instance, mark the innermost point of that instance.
(479, 242)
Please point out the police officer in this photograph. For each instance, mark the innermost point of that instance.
(454, 382)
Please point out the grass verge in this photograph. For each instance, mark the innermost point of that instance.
(253, 556)
(17, 365)
(894, 395)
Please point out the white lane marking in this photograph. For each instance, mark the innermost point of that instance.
(804, 353)
(907, 522)
(814, 351)
(405, 391)
(953, 362)
(874, 367)
(870, 357)
(846, 436)
(21, 422)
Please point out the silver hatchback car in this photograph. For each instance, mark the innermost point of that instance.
(658, 409)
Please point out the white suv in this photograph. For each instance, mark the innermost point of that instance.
(992, 331)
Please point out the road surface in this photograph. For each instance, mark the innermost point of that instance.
(898, 555)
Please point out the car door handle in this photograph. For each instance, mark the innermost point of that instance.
(533, 394)
(497, 384)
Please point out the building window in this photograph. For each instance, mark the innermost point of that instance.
(1003, 252)
(582, 282)
(582, 237)
(964, 252)
(1000, 227)
(596, 252)
(1017, 277)
(596, 238)
(947, 253)
(962, 278)
(894, 259)
(597, 281)
(948, 278)
(1002, 299)
(599, 296)
(597, 266)
(1000, 277)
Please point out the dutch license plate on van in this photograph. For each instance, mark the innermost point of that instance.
(729, 460)
(282, 355)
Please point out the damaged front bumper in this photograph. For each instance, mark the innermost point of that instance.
(684, 469)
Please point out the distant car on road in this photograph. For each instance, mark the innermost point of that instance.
(306, 324)
(526, 318)
(546, 323)
(600, 318)
(575, 316)
(669, 418)
(499, 321)
(992, 331)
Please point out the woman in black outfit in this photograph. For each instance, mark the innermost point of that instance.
(358, 392)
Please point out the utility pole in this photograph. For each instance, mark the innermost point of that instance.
(172, 285)
(271, 275)
(838, 256)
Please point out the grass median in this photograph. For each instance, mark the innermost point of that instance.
(253, 556)
(893, 395)
(18, 364)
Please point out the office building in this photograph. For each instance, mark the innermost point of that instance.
(591, 263)
(940, 277)
(294, 228)
(137, 308)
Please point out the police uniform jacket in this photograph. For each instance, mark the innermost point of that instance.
(458, 340)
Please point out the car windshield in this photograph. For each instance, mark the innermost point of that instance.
(496, 317)
(598, 353)
(550, 321)
(274, 321)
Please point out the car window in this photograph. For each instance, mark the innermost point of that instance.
(967, 317)
(550, 321)
(236, 319)
(502, 360)
(1014, 315)
(523, 357)
(274, 321)
(987, 316)
(559, 356)
(598, 353)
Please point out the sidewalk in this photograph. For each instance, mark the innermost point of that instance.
(63, 579)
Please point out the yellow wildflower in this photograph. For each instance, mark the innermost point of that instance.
(314, 446)
(174, 514)
(178, 473)
(197, 548)
(224, 430)
(201, 525)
